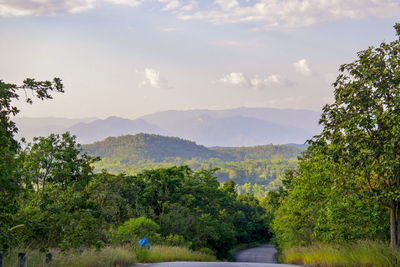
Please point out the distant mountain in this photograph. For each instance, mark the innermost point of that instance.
(231, 127)
(113, 126)
(131, 149)
(235, 131)
(240, 126)
(297, 118)
(31, 127)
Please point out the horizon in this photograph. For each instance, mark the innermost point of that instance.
(162, 111)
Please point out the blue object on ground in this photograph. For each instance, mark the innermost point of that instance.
(144, 243)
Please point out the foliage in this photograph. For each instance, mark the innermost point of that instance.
(135, 229)
(350, 174)
(362, 125)
(314, 207)
(9, 166)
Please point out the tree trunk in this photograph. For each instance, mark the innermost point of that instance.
(394, 226)
(398, 225)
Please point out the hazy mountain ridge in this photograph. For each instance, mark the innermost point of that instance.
(112, 126)
(227, 128)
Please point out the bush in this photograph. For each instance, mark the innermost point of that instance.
(136, 228)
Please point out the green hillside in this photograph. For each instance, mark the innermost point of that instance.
(131, 149)
(254, 169)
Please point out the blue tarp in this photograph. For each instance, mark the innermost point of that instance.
(144, 243)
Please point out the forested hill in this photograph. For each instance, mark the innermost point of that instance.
(130, 149)
(150, 147)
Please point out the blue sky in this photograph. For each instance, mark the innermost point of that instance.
(131, 57)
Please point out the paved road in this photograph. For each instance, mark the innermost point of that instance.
(216, 264)
(265, 253)
(263, 256)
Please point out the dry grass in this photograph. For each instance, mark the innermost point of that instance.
(362, 253)
(109, 256)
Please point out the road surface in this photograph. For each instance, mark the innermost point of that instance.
(216, 264)
(263, 256)
(265, 253)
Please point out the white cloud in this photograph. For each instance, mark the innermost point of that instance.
(131, 3)
(241, 80)
(262, 14)
(270, 81)
(227, 4)
(43, 7)
(153, 78)
(170, 4)
(286, 14)
(302, 67)
(235, 78)
(189, 6)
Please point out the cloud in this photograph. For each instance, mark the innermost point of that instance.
(170, 4)
(43, 7)
(241, 80)
(235, 78)
(153, 78)
(131, 3)
(262, 15)
(302, 67)
(287, 14)
(227, 4)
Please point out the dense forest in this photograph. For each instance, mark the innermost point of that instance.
(255, 169)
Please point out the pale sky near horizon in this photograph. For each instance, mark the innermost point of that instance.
(134, 57)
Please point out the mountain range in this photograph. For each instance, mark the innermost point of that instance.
(226, 128)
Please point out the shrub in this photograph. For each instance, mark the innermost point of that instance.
(136, 228)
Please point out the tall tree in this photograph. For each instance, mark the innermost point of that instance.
(363, 125)
(9, 180)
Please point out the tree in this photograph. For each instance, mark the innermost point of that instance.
(362, 126)
(9, 147)
(56, 159)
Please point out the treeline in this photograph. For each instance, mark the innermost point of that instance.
(347, 185)
(50, 197)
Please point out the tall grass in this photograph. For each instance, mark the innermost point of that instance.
(109, 256)
(105, 257)
(160, 253)
(361, 253)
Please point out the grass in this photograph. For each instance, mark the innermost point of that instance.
(362, 253)
(161, 253)
(105, 257)
(109, 256)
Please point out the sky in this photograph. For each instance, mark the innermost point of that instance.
(129, 58)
